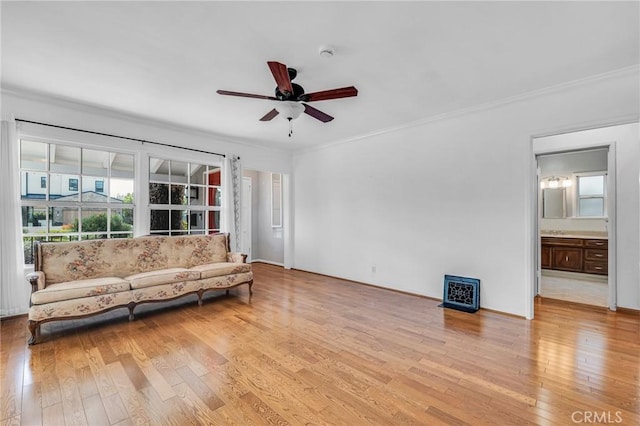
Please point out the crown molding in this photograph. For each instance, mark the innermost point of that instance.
(621, 72)
(26, 93)
(29, 94)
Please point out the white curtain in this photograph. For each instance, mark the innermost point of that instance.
(14, 289)
(231, 186)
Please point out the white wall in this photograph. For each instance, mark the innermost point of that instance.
(447, 196)
(626, 139)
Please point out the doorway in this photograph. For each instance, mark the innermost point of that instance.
(246, 227)
(570, 257)
(573, 226)
(264, 216)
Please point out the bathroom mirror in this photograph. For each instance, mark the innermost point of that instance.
(554, 204)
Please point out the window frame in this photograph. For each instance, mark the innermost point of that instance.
(577, 197)
(53, 206)
(140, 151)
(190, 209)
(276, 200)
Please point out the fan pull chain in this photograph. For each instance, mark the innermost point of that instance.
(290, 127)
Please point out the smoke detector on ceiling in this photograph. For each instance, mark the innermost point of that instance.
(326, 52)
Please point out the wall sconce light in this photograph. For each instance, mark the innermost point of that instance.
(555, 182)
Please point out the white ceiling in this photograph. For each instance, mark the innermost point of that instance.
(409, 60)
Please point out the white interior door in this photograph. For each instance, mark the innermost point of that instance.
(245, 229)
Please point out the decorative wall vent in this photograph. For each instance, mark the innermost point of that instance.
(461, 293)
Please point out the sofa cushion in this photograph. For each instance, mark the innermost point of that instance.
(78, 289)
(118, 257)
(79, 307)
(187, 251)
(161, 276)
(223, 268)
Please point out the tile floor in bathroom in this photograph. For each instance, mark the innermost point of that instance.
(579, 288)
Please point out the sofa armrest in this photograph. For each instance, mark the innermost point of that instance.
(236, 257)
(36, 279)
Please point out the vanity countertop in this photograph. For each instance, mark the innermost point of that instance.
(594, 235)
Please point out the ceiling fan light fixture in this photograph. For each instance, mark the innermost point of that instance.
(289, 96)
(289, 109)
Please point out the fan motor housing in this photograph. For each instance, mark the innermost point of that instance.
(297, 92)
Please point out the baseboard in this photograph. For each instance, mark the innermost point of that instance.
(380, 287)
(267, 261)
(15, 316)
(628, 311)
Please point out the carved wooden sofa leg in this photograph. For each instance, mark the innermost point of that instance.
(131, 307)
(200, 294)
(250, 285)
(34, 328)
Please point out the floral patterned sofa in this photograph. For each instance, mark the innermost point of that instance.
(83, 278)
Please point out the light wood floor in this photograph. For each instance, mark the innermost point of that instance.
(309, 349)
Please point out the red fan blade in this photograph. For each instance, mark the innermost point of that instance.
(317, 114)
(270, 115)
(344, 92)
(245, 95)
(281, 75)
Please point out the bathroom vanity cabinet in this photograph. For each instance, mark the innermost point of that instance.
(586, 255)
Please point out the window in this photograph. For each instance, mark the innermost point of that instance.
(184, 197)
(591, 194)
(276, 200)
(60, 211)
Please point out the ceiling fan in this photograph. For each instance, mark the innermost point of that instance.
(291, 98)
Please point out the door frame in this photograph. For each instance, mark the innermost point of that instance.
(287, 214)
(542, 148)
(247, 205)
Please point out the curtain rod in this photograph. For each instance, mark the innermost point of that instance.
(119, 137)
